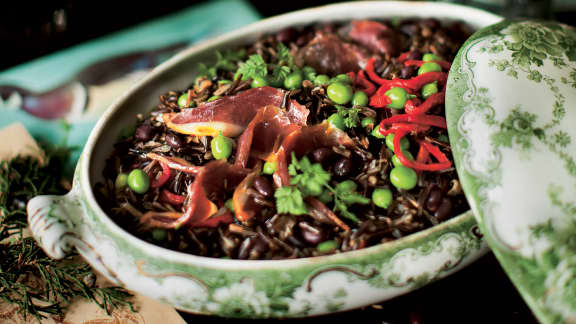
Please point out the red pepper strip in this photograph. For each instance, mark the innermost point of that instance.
(369, 87)
(427, 120)
(432, 101)
(159, 182)
(436, 152)
(171, 198)
(445, 65)
(414, 84)
(441, 165)
(373, 76)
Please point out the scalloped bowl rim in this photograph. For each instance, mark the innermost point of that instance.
(479, 18)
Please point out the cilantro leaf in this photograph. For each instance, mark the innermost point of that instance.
(349, 115)
(310, 178)
(289, 200)
(254, 67)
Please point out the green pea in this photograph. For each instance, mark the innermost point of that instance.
(258, 82)
(397, 162)
(214, 98)
(404, 143)
(382, 197)
(159, 234)
(368, 121)
(327, 246)
(138, 181)
(269, 167)
(325, 197)
(221, 147)
(229, 204)
(360, 98)
(182, 100)
(403, 177)
(293, 81)
(429, 89)
(430, 57)
(342, 78)
(340, 93)
(336, 121)
(398, 97)
(321, 79)
(429, 67)
(376, 132)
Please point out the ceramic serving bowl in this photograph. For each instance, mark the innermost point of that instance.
(241, 288)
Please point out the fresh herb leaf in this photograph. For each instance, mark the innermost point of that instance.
(254, 67)
(279, 74)
(289, 200)
(309, 73)
(344, 196)
(350, 115)
(310, 178)
(284, 57)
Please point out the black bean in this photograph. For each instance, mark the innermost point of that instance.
(144, 132)
(174, 141)
(444, 210)
(343, 167)
(263, 186)
(408, 71)
(434, 199)
(312, 235)
(321, 155)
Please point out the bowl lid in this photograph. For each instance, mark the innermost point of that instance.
(511, 114)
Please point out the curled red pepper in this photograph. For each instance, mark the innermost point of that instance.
(442, 164)
(420, 119)
(432, 101)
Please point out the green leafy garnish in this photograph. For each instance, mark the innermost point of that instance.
(310, 178)
(349, 115)
(345, 196)
(284, 57)
(254, 67)
(289, 200)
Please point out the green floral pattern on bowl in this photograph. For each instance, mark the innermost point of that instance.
(511, 118)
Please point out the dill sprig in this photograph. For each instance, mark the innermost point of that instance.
(38, 285)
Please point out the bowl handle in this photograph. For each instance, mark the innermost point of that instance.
(50, 219)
